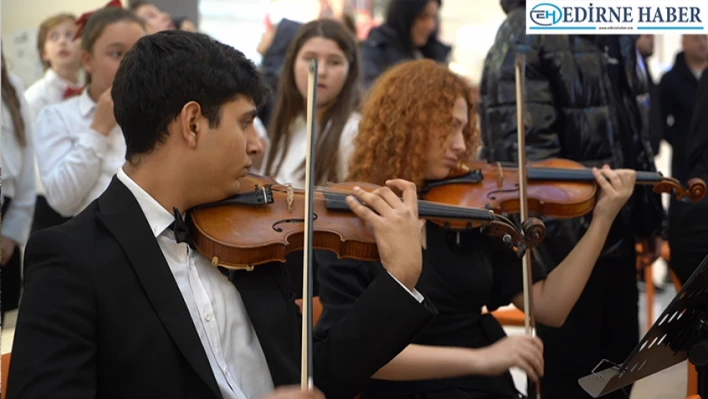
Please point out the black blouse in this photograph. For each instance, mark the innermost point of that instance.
(461, 274)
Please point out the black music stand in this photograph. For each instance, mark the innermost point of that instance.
(680, 333)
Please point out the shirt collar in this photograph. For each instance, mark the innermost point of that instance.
(57, 81)
(158, 217)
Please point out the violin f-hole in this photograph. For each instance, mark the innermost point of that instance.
(491, 194)
(279, 222)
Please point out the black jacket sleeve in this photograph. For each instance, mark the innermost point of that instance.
(698, 133)
(54, 350)
(368, 318)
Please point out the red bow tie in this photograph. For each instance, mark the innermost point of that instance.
(71, 92)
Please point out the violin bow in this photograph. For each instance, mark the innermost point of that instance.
(533, 390)
(306, 379)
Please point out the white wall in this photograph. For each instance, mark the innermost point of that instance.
(470, 27)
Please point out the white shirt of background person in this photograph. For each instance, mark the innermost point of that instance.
(17, 171)
(46, 91)
(291, 172)
(76, 163)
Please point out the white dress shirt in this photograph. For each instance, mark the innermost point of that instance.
(290, 171)
(217, 311)
(46, 91)
(76, 163)
(17, 168)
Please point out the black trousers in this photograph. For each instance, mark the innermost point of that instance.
(10, 276)
(603, 325)
(688, 240)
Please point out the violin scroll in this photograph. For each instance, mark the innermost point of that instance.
(530, 235)
(695, 191)
(534, 230)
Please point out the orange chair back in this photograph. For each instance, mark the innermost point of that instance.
(5, 360)
(316, 309)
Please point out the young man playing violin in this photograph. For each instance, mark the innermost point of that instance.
(115, 307)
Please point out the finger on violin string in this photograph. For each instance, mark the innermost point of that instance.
(362, 211)
(628, 176)
(375, 201)
(602, 180)
(390, 197)
(408, 191)
(613, 177)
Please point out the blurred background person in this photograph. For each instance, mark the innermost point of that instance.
(410, 32)
(18, 189)
(338, 86)
(581, 104)
(156, 19)
(184, 24)
(80, 146)
(689, 240)
(60, 54)
(652, 117)
(677, 94)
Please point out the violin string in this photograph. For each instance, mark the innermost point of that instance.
(432, 207)
(339, 199)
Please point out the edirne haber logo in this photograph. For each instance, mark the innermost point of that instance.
(612, 17)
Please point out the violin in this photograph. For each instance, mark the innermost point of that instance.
(558, 188)
(273, 213)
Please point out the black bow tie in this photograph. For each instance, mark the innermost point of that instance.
(180, 229)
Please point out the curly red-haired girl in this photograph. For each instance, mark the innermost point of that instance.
(419, 124)
(402, 121)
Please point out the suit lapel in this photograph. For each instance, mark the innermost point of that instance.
(121, 214)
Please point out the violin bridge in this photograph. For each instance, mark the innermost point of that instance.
(290, 197)
(215, 263)
(500, 175)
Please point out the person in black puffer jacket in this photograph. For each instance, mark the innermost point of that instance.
(689, 242)
(581, 104)
(410, 32)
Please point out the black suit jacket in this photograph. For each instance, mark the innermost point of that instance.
(102, 317)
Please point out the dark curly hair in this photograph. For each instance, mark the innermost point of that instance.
(408, 110)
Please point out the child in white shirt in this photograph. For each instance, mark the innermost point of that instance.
(79, 145)
(18, 188)
(61, 57)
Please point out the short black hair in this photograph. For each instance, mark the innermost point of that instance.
(164, 71)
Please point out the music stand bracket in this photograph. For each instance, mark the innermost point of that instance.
(680, 333)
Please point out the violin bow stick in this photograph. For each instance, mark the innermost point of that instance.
(533, 391)
(306, 380)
